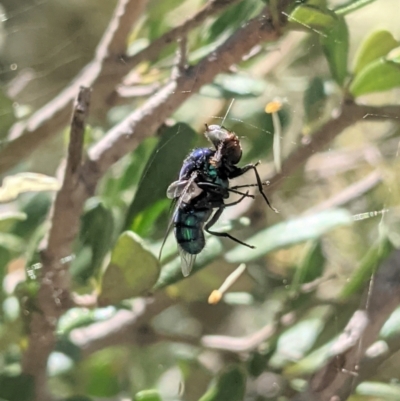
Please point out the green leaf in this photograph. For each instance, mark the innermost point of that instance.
(100, 373)
(238, 86)
(156, 21)
(311, 267)
(232, 18)
(377, 45)
(289, 233)
(11, 242)
(8, 220)
(230, 385)
(137, 164)
(161, 169)
(80, 317)
(314, 100)
(310, 363)
(36, 207)
(394, 55)
(366, 268)
(313, 17)
(146, 219)
(132, 271)
(78, 398)
(387, 392)
(97, 226)
(296, 341)
(351, 6)
(16, 388)
(378, 76)
(172, 273)
(391, 327)
(14, 185)
(147, 395)
(335, 45)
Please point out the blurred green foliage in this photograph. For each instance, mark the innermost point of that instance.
(309, 265)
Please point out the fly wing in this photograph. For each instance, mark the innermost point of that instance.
(175, 187)
(185, 190)
(187, 261)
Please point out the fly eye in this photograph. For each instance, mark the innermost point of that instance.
(217, 134)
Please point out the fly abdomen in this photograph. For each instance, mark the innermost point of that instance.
(189, 229)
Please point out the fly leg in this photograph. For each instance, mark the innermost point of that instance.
(248, 185)
(220, 190)
(213, 220)
(241, 171)
(237, 201)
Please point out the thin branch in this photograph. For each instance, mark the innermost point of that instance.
(351, 113)
(375, 356)
(103, 74)
(125, 327)
(53, 296)
(153, 50)
(350, 193)
(339, 376)
(239, 344)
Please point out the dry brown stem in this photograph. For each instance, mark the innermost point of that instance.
(53, 296)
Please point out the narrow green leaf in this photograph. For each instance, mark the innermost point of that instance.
(17, 184)
(391, 327)
(383, 391)
(232, 18)
(80, 317)
(147, 395)
(238, 86)
(351, 6)
(132, 271)
(162, 168)
(366, 268)
(335, 45)
(313, 17)
(377, 45)
(289, 233)
(378, 76)
(230, 385)
(311, 267)
(394, 55)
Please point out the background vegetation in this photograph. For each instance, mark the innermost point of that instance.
(88, 311)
